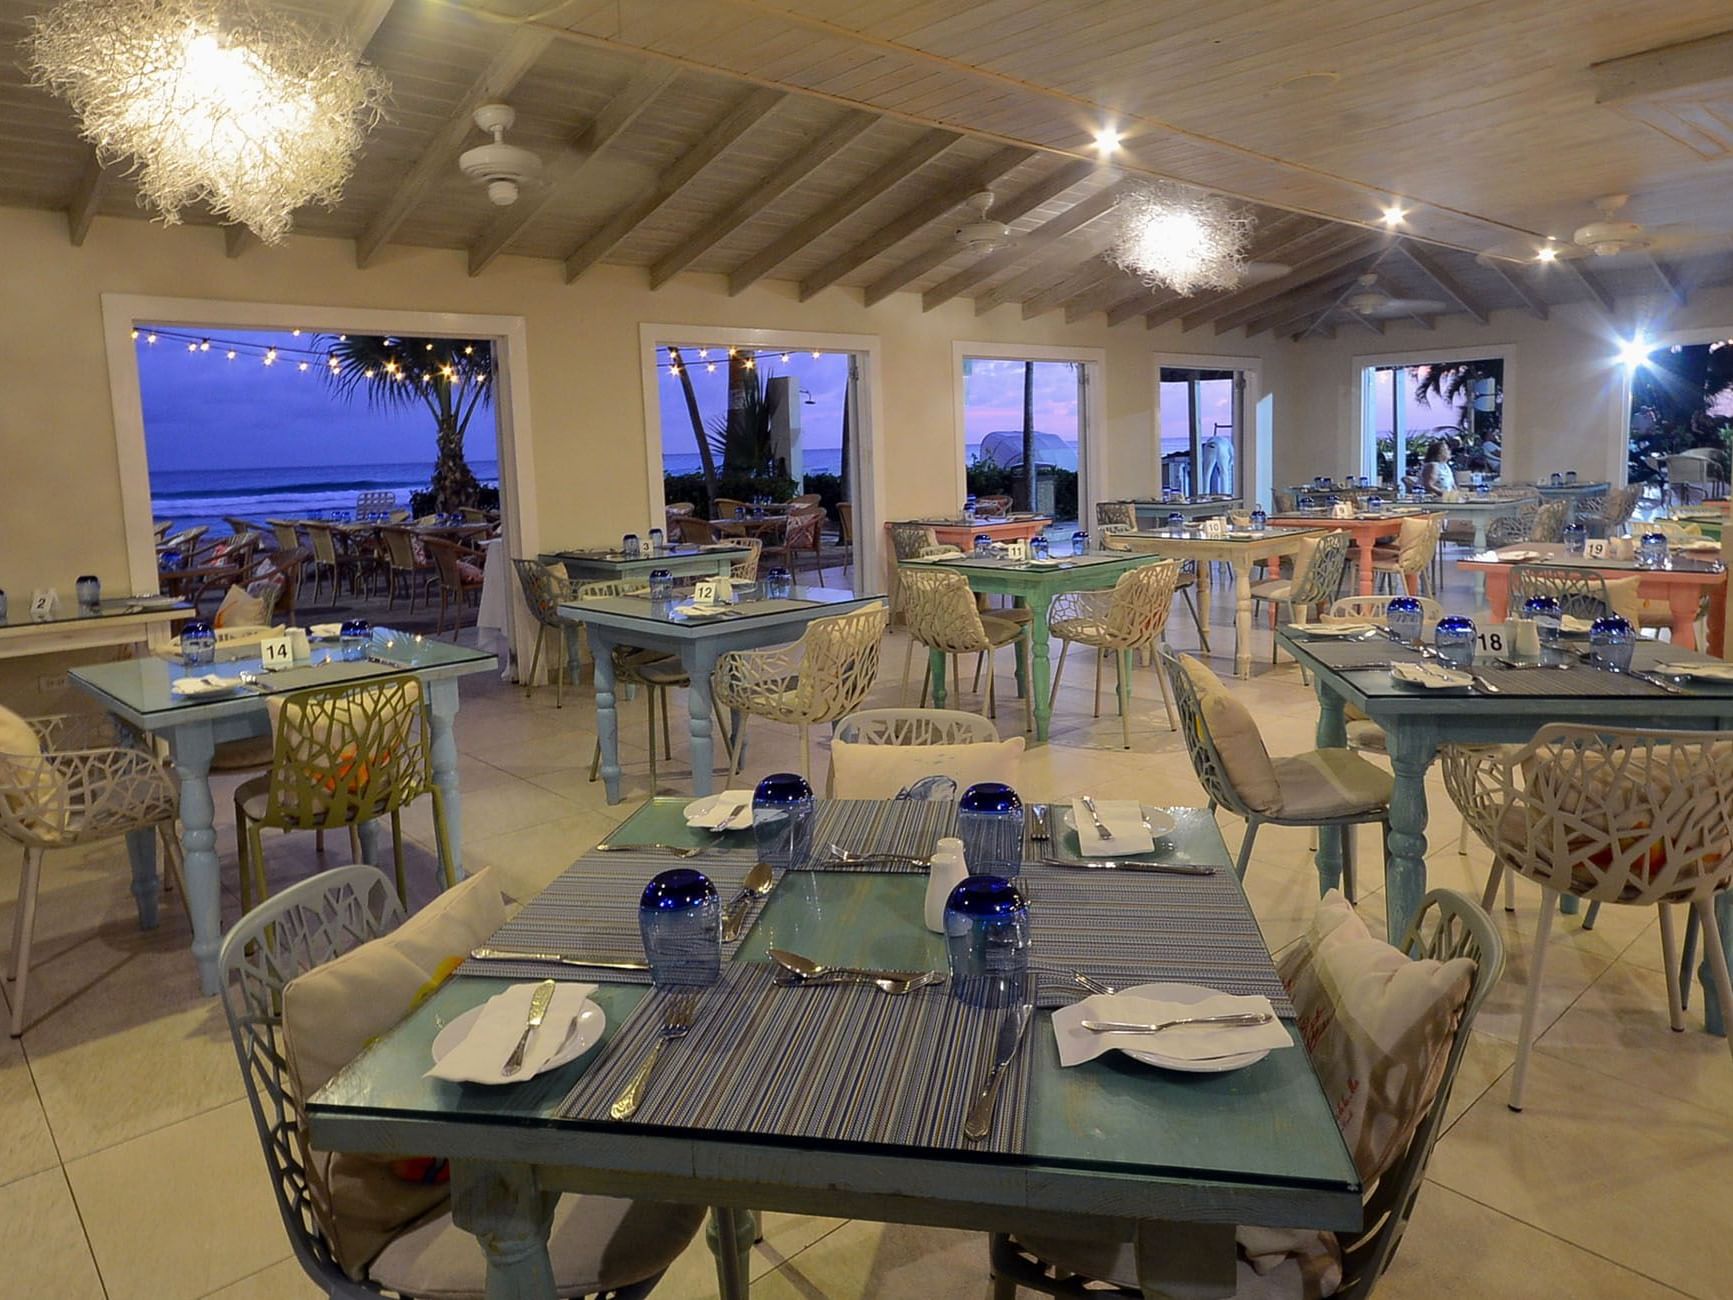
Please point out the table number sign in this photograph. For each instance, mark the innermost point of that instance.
(1215, 528)
(712, 591)
(1494, 640)
(1342, 510)
(1598, 548)
(276, 652)
(44, 604)
(1017, 550)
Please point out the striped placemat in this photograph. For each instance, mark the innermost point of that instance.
(591, 910)
(1354, 654)
(906, 826)
(1577, 680)
(836, 1063)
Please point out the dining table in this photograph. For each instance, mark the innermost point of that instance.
(1032, 585)
(1709, 520)
(961, 533)
(1573, 492)
(141, 692)
(1239, 548)
(1682, 582)
(1151, 512)
(681, 559)
(847, 1101)
(698, 639)
(67, 625)
(1365, 528)
(1510, 699)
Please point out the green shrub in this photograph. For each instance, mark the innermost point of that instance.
(423, 503)
(742, 487)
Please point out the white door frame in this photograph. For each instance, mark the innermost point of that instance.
(1620, 434)
(1361, 414)
(1254, 436)
(122, 311)
(866, 481)
(1093, 465)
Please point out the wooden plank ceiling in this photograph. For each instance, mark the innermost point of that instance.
(835, 146)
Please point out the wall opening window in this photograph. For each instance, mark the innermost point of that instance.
(1202, 413)
(1682, 420)
(1019, 414)
(1408, 408)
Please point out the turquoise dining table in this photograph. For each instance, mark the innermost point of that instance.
(1032, 586)
(1175, 1159)
(1417, 722)
(140, 691)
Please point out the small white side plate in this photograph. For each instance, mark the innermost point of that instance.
(1186, 994)
(1160, 820)
(586, 1032)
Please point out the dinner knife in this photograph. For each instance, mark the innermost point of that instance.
(979, 1121)
(1114, 864)
(560, 958)
(539, 1001)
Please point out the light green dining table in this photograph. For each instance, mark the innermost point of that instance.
(1032, 586)
(1176, 1160)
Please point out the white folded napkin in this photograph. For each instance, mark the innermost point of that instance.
(1186, 1042)
(1519, 555)
(204, 684)
(1124, 821)
(477, 1058)
(1429, 675)
(326, 631)
(1697, 544)
(1331, 626)
(1710, 672)
(722, 808)
(1571, 623)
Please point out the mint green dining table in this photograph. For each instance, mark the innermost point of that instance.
(1176, 1160)
(1033, 586)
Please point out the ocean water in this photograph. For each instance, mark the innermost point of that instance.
(205, 496)
(829, 459)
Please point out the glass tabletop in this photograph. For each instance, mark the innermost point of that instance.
(679, 550)
(1268, 1124)
(1553, 555)
(681, 613)
(145, 687)
(18, 613)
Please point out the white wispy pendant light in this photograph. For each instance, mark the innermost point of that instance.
(1180, 238)
(224, 103)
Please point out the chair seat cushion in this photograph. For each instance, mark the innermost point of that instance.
(596, 1244)
(1330, 783)
(1235, 733)
(1364, 734)
(469, 574)
(860, 771)
(244, 755)
(1275, 589)
(1001, 631)
(1115, 1262)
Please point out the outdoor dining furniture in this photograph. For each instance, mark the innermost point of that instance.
(457, 573)
(140, 692)
(825, 1121)
(1239, 549)
(942, 616)
(682, 559)
(1316, 580)
(121, 620)
(1149, 513)
(699, 639)
(962, 533)
(1365, 530)
(1131, 618)
(1682, 585)
(1607, 514)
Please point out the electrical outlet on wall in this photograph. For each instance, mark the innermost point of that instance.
(51, 683)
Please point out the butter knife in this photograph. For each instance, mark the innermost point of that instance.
(539, 1000)
(1100, 826)
(979, 1121)
(560, 958)
(1115, 864)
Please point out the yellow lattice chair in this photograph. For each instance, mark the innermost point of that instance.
(823, 677)
(343, 756)
(1132, 617)
(745, 569)
(942, 615)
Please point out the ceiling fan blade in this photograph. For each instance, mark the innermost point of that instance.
(1409, 307)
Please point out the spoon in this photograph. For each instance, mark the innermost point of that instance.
(807, 971)
(839, 856)
(756, 885)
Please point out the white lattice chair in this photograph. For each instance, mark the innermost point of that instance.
(911, 729)
(88, 780)
(823, 677)
(1130, 618)
(942, 615)
(1408, 564)
(1610, 815)
(600, 1247)
(746, 568)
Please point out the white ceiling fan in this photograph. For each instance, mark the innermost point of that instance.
(983, 235)
(1370, 300)
(1613, 234)
(504, 168)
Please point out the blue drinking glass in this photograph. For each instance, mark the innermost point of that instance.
(1653, 551)
(353, 639)
(983, 543)
(1570, 476)
(1548, 617)
(1260, 520)
(1175, 520)
(778, 583)
(987, 942)
(1557, 479)
(782, 816)
(1612, 642)
(990, 824)
(629, 546)
(680, 919)
(89, 594)
(1374, 503)
(1038, 549)
(1406, 618)
(1482, 489)
(969, 504)
(1576, 538)
(658, 541)
(1304, 502)
(661, 584)
(1080, 542)
(1454, 640)
(198, 644)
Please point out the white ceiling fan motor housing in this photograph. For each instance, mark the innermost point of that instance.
(502, 167)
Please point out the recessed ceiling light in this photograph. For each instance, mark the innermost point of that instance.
(1107, 140)
(1635, 352)
(1547, 254)
(1394, 214)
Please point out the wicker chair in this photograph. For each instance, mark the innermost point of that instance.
(403, 568)
(1448, 925)
(678, 509)
(1581, 593)
(1549, 522)
(329, 559)
(314, 922)
(1116, 512)
(799, 535)
(725, 507)
(992, 505)
(1309, 589)
(544, 592)
(91, 780)
(1131, 617)
(845, 523)
(695, 531)
(823, 677)
(746, 570)
(942, 615)
(1612, 815)
(1607, 514)
(343, 756)
(458, 575)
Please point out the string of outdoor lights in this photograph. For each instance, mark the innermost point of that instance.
(710, 358)
(304, 360)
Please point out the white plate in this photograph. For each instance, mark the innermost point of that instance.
(1430, 681)
(585, 1033)
(702, 806)
(1332, 629)
(1186, 994)
(1517, 557)
(1160, 821)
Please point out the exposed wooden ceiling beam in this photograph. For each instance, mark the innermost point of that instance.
(900, 168)
(1110, 291)
(439, 156)
(1519, 285)
(1041, 276)
(782, 178)
(1019, 205)
(1591, 282)
(1446, 283)
(1279, 313)
(1091, 275)
(913, 218)
(559, 176)
(1689, 64)
(1284, 238)
(1073, 218)
(1335, 303)
(718, 140)
(1329, 250)
(86, 197)
(1669, 277)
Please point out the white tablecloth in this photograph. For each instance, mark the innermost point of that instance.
(502, 602)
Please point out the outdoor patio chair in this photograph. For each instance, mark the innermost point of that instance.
(799, 537)
(458, 573)
(1132, 617)
(544, 592)
(1581, 593)
(898, 753)
(329, 558)
(941, 614)
(1408, 564)
(694, 531)
(1317, 578)
(992, 505)
(1116, 512)
(404, 568)
(1607, 514)
(725, 507)
(745, 569)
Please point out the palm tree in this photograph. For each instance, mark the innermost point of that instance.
(450, 377)
(744, 438)
(1028, 435)
(1673, 399)
(1464, 381)
(705, 459)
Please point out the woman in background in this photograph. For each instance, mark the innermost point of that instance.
(1436, 476)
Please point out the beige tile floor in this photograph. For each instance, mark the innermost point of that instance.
(129, 1167)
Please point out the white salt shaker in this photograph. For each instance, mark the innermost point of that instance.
(946, 872)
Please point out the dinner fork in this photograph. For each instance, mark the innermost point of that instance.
(1100, 826)
(676, 1022)
(1092, 984)
(1233, 1018)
